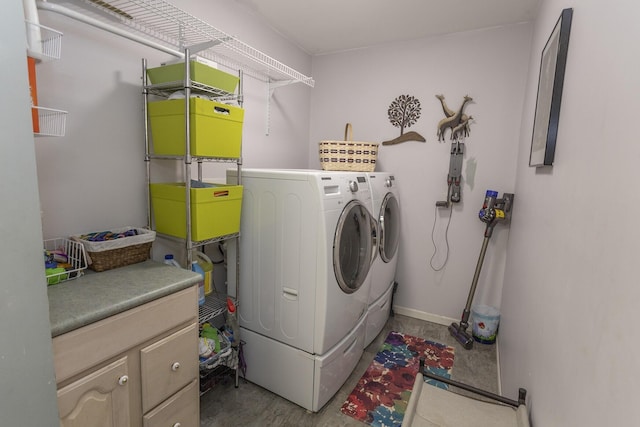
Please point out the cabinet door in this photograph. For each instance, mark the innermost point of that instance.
(168, 365)
(100, 399)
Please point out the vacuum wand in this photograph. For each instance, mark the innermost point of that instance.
(493, 211)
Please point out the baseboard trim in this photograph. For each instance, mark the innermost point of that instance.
(423, 315)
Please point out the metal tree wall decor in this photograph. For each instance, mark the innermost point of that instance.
(404, 112)
(456, 121)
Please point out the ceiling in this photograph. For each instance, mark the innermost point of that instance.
(329, 26)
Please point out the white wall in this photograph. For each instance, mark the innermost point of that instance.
(571, 295)
(94, 177)
(358, 87)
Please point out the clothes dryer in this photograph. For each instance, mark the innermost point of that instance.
(386, 209)
(306, 248)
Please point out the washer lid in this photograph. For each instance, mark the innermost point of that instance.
(389, 227)
(354, 246)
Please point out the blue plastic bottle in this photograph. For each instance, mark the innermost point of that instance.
(195, 267)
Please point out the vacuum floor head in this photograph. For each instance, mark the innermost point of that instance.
(461, 335)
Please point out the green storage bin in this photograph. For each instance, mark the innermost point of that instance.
(216, 129)
(215, 210)
(200, 73)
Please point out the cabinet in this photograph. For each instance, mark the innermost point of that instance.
(137, 368)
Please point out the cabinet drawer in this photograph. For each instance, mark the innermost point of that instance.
(168, 365)
(181, 409)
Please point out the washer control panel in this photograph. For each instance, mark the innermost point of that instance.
(388, 182)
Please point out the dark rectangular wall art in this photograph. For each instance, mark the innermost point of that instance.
(551, 80)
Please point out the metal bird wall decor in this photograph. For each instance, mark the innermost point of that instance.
(404, 112)
(456, 121)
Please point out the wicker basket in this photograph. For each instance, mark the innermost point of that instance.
(348, 155)
(115, 253)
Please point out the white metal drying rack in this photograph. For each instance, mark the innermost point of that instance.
(159, 24)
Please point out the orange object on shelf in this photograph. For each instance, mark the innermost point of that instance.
(31, 66)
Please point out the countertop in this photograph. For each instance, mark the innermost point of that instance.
(96, 296)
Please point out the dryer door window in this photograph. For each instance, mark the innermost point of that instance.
(389, 222)
(354, 246)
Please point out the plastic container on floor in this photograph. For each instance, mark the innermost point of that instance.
(486, 320)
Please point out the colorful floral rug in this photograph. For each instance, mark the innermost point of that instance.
(380, 398)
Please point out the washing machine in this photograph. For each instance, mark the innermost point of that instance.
(307, 243)
(386, 209)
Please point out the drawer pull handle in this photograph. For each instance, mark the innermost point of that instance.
(123, 380)
(177, 425)
(175, 367)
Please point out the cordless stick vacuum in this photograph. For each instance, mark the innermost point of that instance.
(493, 211)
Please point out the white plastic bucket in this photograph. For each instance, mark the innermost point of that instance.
(485, 323)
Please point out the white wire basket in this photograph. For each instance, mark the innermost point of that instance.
(44, 43)
(216, 359)
(51, 122)
(74, 256)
